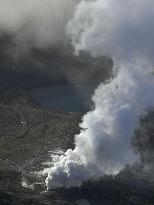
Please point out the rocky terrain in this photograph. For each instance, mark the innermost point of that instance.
(29, 135)
(32, 137)
(28, 132)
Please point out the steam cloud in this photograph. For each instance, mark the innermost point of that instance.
(35, 23)
(124, 31)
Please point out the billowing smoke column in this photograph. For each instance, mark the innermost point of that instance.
(123, 30)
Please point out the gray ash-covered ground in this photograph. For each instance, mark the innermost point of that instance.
(28, 132)
(28, 136)
(31, 136)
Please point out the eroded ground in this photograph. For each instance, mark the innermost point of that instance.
(32, 137)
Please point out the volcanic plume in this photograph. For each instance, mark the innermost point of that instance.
(124, 31)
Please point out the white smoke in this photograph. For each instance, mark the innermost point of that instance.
(35, 23)
(123, 30)
(116, 28)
